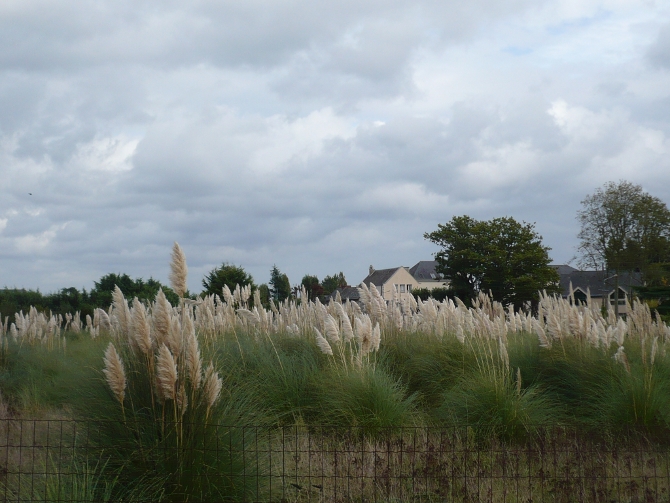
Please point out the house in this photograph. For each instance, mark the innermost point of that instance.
(426, 276)
(388, 280)
(600, 284)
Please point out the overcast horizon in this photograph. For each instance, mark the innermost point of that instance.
(317, 136)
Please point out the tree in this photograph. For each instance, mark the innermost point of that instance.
(280, 286)
(332, 283)
(264, 292)
(312, 285)
(101, 294)
(501, 255)
(623, 228)
(226, 274)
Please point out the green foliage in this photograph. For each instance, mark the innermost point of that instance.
(624, 228)
(101, 294)
(71, 300)
(280, 286)
(501, 256)
(366, 397)
(264, 292)
(67, 300)
(332, 283)
(439, 293)
(313, 287)
(226, 275)
(658, 290)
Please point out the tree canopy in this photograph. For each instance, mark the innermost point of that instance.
(332, 283)
(312, 286)
(226, 274)
(624, 228)
(501, 256)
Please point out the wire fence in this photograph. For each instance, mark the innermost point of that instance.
(68, 461)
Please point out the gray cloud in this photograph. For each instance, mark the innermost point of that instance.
(317, 137)
(659, 52)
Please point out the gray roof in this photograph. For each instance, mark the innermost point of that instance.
(380, 276)
(425, 271)
(599, 283)
(563, 268)
(347, 293)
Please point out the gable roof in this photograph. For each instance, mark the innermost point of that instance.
(424, 270)
(380, 276)
(599, 283)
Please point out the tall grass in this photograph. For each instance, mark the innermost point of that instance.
(158, 378)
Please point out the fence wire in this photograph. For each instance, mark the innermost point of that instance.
(75, 461)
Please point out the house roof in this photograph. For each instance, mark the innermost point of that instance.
(425, 271)
(563, 268)
(347, 293)
(599, 283)
(380, 276)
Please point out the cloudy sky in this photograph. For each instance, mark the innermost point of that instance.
(318, 136)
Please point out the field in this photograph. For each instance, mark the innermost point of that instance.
(411, 401)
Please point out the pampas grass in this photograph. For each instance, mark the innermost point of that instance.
(141, 329)
(114, 373)
(178, 270)
(166, 373)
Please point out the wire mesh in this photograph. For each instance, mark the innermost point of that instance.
(68, 461)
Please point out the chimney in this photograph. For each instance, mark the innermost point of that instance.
(371, 270)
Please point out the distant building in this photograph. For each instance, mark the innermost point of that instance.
(388, 280)
(600, 284)
(347, 293)
(426, 276)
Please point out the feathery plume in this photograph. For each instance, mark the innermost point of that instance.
(103, 317)
(182, 399)
(376, 338)
(620, 357)
(114, 373)
(121, 309)
(331, 329)
(178, 270)
(141, 327)
(323, 343)
(166, 373)
(162, 314)
(212, 386)
(193, 360)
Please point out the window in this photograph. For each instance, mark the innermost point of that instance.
(402, 288)
(409, 288)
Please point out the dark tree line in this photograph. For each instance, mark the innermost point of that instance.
(70, 300)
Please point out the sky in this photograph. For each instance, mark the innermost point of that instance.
(317, 136)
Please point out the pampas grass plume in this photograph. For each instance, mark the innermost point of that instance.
(323, 343)
(193, 360)
(141, 327)
(212, 386)
(166, 373)
(162, 314)
(114, 373)
(178, 270)
(121, 309)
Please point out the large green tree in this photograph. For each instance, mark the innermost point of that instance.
(501, 255)
(623, 228)
(226, 274)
